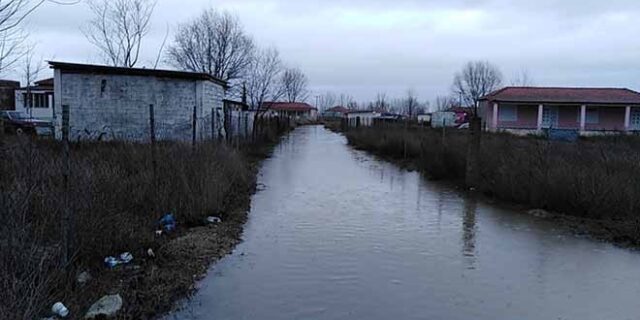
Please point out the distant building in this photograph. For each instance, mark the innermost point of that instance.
(587, 110)
(441, 119)
(111, 103)
(365, 118)
(299, 111)
(424, 118)
(36, 101)
(7, 94)
(337, 112)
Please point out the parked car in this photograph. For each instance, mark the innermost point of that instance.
(19, 123)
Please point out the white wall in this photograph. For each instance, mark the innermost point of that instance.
(117, 106)
(38, 113)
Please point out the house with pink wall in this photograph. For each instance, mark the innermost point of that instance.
(588, 110)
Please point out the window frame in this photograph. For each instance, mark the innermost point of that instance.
(501, 115)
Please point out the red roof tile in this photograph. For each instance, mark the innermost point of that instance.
(288, 106)
(565, 95)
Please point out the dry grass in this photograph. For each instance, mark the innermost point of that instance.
(116, 201)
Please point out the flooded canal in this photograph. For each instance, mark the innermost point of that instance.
(338, 234)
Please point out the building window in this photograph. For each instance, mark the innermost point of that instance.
(593, 115)
(508, 113)
(38, 100)
(635, 118)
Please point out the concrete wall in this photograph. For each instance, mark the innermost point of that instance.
(116, 107)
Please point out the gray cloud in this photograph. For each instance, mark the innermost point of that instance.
(367, 46)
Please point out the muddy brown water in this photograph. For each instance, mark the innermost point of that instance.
(337, 234)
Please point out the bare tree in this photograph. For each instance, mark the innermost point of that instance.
(443, 103)
(522, 79)
(262, 78)
(118, 29)
(294, 85)
(381, 103)
(31, 71)
(476, 80)
(12, 37)
(410, 103)
(214, 43)
(326, 100)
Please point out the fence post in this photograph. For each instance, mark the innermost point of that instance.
(213, 123)
(472, 176)
(444, 131)
(154, 159)
(67, 221)
(246, 126)
(239, 130)
(195, 125)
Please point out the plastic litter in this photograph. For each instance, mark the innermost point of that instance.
(214, 220)
(126, 257)
(60, 309)
(112, 262)
(150, 253)
(168, 222)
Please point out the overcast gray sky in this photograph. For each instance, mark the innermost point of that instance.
(363, 47)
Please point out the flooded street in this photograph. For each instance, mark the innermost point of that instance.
(338, 234)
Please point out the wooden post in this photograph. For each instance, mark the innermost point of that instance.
(195, 124)
(239, 131)
(67, 222)
(473, 153)
(154, 159)
(213, 123)
(246, 126)
(444, 131)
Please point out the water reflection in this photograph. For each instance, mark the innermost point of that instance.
(469, 229)
(338, 234)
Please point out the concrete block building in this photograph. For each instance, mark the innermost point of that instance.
(111, 103)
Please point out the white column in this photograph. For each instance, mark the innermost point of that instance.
(627, 118)
(494, 123)
(540, 118)
(583, 117)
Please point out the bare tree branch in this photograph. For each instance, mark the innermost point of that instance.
(118, 29)
(31, 71)
(262, 78)
(214, 43)
(294, 85)
(522, 79)
(12, 37)
(476, 80)
(443, 103)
